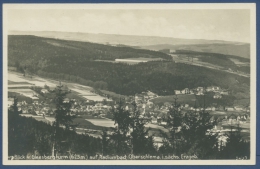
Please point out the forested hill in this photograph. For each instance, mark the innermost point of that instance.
(74, 61)
(28, 50)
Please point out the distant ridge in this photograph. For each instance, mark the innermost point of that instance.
(149, 42)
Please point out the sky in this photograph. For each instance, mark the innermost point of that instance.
(213, 24)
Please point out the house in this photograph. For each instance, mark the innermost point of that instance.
(217, 96)
(222, 140)
(151, 94)
(163, 123)
(215, 88)
(185, 91)
(167, 104)
(102, 115)
(191, 92)
(177, 92)
(238, 108)
(128, 106)
(35, 102)
(209, 89)
(214, 118)
(242, 121)
(229, 109)
(232, 118)
(224, 92)
(10, 102)
(199, 91)
(154, 121)
(19, 103)
(210, 109)
(98, 106)
(158, 142)
(66, 100)
(44, 91)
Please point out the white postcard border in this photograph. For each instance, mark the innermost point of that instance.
(251, 6)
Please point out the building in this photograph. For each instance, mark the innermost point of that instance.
(98, 106)
(224, 92)
(229, 109)
(238, 108)
(163, 123)
(154, 121)
(213, 89)
(151, 94)
(177, 92)
(44, 91)
(185, 91)
(139, 98)
(242, 121)
(158, 142)
(199, 91)
(217, 96)
(66, 100)
(10, 102)
(222, 140)
(136, 60)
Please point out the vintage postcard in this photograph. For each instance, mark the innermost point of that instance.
(129, 84)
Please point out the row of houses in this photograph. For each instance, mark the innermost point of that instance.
(144, 97)
(201, 90)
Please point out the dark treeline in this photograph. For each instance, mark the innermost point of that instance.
(218, 55)
(29, 136)
(160, 77)
(217, 59)
(38, 52)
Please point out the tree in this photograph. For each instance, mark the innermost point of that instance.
(62, 113)
(138, 134)
(105, 142)
(197, 135)
(14, 107)
(46, 87)
(236, 146)
(122, 120)
(189, 133)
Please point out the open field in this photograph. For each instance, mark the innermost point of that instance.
(87, 124)
(102, 122)
(187, 99)
(17, 77)
(19, 81)
(136, 60)
(25, 92)
(227, 113)
(112, 94)
(237, 62)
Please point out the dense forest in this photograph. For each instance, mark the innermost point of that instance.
(75, 61)
(28, 50)
(217, 59)
(160, 77)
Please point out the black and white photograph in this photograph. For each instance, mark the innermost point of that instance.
(129, 84)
